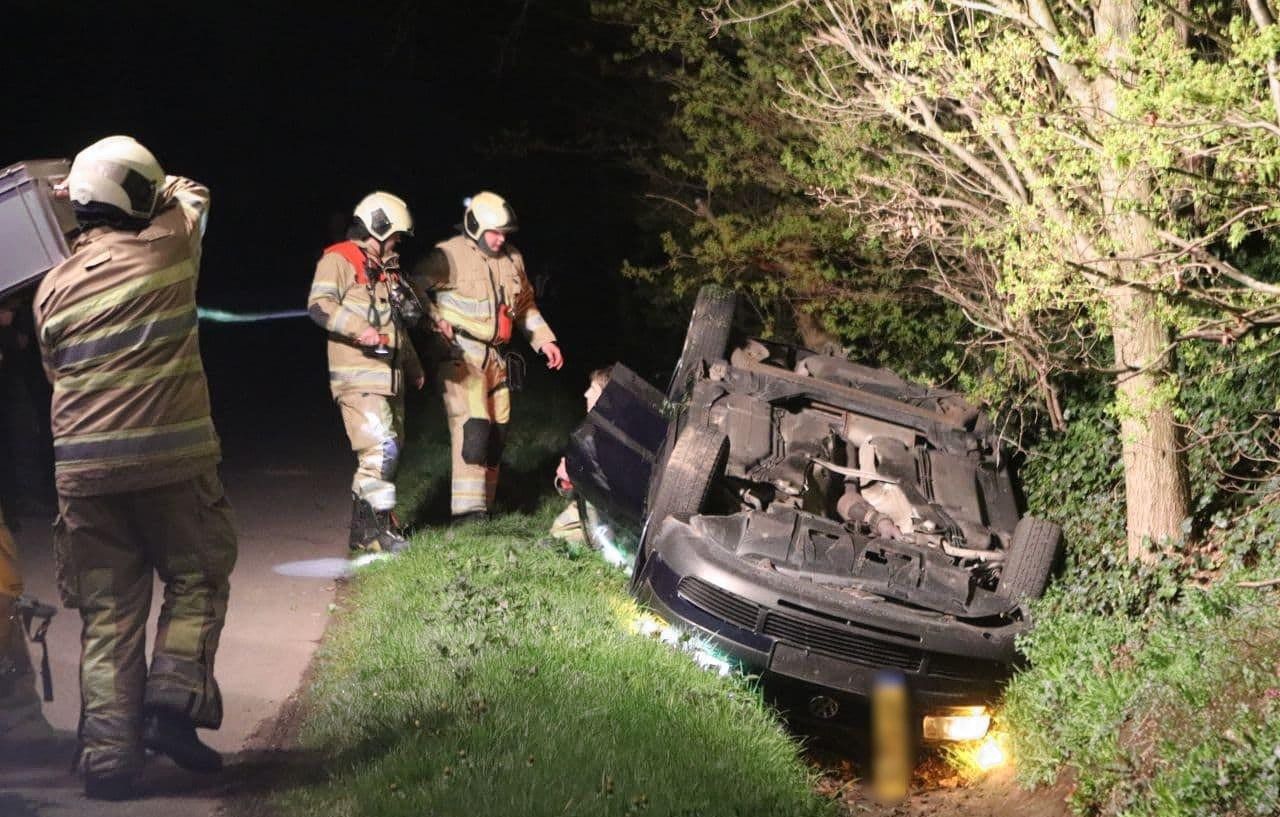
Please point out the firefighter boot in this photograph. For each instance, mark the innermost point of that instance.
(390, 536)
(113, 787)
(364, 527)
(173, 735)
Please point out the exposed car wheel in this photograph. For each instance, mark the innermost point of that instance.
(1035, 547)
(707, 338)
(696, 459)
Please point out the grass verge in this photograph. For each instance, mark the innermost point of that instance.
(486, 672)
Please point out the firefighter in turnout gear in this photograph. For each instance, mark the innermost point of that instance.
(480, 295)
(135, 464)
(21, 720)
(357, 296)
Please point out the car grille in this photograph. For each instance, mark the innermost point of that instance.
(720, 603)
(797, 631)
(839, 643)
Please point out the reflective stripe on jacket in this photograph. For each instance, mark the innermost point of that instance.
(117, 328)
(468, 286)
(345, 304)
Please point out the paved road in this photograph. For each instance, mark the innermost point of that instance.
(287, 473)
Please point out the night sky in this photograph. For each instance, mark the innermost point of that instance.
(291, 112)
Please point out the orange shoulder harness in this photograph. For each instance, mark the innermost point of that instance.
(351, 251)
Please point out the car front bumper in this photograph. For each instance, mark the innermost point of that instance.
(775, 625)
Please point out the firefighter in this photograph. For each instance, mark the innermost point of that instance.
(135, 465)
(21, 720)
(481, 294)
(358, 298)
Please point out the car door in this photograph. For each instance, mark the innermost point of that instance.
(612, 452)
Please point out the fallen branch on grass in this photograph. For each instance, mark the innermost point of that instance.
(1259, 583)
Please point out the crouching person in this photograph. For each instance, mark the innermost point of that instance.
(569, 524)
(135, 464)
(353, 297)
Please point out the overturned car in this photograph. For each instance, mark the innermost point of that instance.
(819, 521)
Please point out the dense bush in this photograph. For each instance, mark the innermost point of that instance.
(727, 171)
(1157, 685)
(1161, 695)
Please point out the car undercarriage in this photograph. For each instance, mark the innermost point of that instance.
(818, 520)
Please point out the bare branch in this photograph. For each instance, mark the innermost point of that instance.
(1260, 583)
(712, 16)
(1210, 260)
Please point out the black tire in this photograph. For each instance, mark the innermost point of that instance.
(696, 459)
(1032, 555)
(707, 338)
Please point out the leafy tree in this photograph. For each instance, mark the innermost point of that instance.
(1074, 176)
(729, 208)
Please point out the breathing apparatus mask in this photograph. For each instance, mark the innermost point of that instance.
(407, 310)
(405, 301)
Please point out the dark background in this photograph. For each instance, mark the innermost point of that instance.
(290, 113)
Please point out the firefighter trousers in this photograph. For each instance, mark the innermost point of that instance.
(18, 699)
(375, 426)
(478, 404)
(106, 550)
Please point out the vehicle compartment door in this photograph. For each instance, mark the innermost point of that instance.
(612, 452)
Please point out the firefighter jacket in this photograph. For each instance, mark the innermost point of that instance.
(470, 289)
(345, 302)
(116, 324)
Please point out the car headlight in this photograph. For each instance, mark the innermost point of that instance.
(960, 723)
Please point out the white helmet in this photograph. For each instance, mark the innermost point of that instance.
(488, 211)
(119, 172)
(383, 214)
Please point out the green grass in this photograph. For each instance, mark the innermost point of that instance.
(487, 672)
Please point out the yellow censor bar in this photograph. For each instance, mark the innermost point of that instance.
(890, 737)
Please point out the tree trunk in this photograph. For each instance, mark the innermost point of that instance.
(1154, 463)
(1155, 483)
